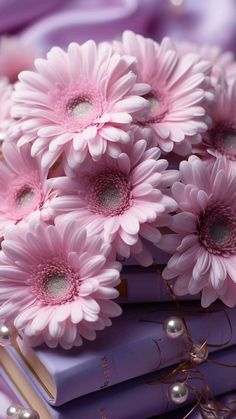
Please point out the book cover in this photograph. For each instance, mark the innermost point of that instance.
(148, 395)
(134, 346)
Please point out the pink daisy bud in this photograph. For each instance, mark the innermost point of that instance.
(25, 190)
(15, 56)
(180, 87)
(56, 284)
(5, 106)
(204, 240)
(78, 102)
(220, 139)
(120, 198)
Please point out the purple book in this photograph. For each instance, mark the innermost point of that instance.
(135, 345)
(142, 285)
(145, 396)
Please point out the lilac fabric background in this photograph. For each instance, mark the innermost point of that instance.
(57, 22)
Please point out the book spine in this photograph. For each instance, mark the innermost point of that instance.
(142, 285)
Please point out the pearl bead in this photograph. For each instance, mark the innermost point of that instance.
(5, 335)
(14, 410)
(174, 327)
(198, 353)
(28, 414)
(178, 393)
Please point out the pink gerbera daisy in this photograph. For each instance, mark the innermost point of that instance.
(179, 89)
(220, 139)
(120, 198)
(204, 243)
(5, 106)
(77, 102)
(56, 283)
(220, 60)
(24, 188)
(15, 56)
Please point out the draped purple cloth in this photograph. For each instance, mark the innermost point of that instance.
(57, 22)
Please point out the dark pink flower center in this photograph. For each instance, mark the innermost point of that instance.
(24, 196)
(109, 193)
(157, 108)
(217, 230)
(55, 282)
(83, 110)
(79, 108)
(223, 138)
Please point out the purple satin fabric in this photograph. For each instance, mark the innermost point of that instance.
(15, 14)
(203, 21)
(99, 20)
(57, 22)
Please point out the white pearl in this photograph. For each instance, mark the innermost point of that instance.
(174, 327)
(28, 414)
(5, 335)
(198, 353)
(14, 410)
(178, 392)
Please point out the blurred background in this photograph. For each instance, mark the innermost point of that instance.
(46, 23)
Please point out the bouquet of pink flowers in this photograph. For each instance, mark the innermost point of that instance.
(105, 148)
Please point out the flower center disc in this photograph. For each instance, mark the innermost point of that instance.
(224, 139)
(217, 230)
(24, 197)
(110, 197)
(157, 107)
(154, 103)
(220, 231)
(57, 285)
(54, 282)
(229, 141)
(109, 193)
(80, 107)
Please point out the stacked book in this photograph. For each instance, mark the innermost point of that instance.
(132, 369)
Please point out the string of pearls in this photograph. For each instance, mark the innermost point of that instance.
(19, 412)
(178, 392)
(175, 328)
